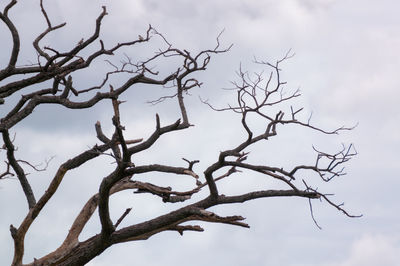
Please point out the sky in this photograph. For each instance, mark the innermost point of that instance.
(345, 65)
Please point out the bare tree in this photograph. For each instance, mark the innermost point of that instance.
(50, 80)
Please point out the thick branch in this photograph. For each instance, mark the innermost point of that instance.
(26, 187)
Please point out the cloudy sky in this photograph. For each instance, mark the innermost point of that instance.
(345, 66)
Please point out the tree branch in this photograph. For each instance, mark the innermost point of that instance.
(26, 187)
(35, 210)
(15, 37)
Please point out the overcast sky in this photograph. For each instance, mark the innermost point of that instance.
(346, 66)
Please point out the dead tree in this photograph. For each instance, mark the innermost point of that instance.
(50, 80)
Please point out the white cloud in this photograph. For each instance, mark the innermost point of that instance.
(49, 143)
(372, 250)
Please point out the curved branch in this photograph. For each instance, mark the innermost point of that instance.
(16, 41)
